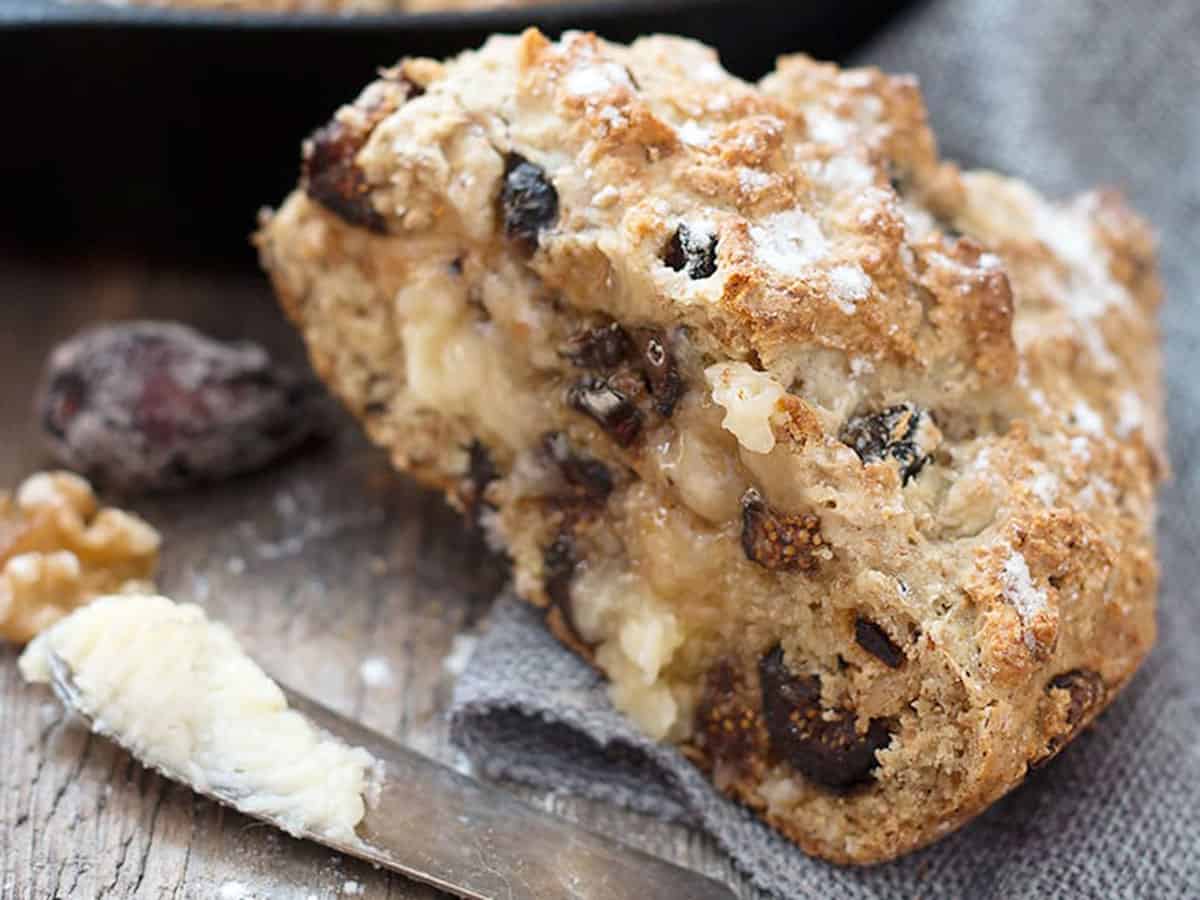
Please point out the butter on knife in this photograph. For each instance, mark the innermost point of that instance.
(179, 693)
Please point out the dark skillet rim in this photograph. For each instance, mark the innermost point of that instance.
(17, 14)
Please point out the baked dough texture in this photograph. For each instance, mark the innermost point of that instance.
(837, 461)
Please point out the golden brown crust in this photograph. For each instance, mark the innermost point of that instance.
(943, 389)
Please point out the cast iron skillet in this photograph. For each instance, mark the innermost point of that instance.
(168, 128)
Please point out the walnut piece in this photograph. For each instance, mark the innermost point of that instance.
(59, 550)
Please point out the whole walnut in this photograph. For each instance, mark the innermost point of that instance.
(60, 549)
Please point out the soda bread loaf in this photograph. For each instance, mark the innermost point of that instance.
(837, 461)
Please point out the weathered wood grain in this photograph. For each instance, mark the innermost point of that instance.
(319, 564)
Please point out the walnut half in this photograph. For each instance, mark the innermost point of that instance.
(59, 549)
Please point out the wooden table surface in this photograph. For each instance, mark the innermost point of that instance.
(321, 564)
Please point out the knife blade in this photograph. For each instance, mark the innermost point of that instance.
(471, 839)
(480, 842)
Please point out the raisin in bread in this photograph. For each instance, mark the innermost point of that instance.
(838, 462)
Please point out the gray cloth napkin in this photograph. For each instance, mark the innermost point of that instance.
(1066, 95)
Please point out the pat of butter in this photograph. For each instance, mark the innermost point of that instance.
(750, 399)
(179, 692)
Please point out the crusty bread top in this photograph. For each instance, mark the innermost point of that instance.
(845, 262)
(836, 226)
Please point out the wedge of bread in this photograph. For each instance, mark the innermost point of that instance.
(838, 462)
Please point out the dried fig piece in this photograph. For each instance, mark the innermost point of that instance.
(875, 641)
(611, 350)
(333, 179)
(559, 562)
(558, 568)
(587, 478)
(481, 471)
(1086, 693)
(603, 347)
(905, 434)
(330, 175)
(65, 394)
(694, 252)
(728, 726)
(778, 540)
(657, 363)
(158, 406)
(822, 744)
(610, 408)
(528, 201)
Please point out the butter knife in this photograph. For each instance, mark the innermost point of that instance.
(463, 836)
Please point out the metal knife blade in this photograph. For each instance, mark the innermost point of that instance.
(478, 841)
(460, 835)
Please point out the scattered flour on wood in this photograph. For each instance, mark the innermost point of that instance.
(460, 653)
(375, 672)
